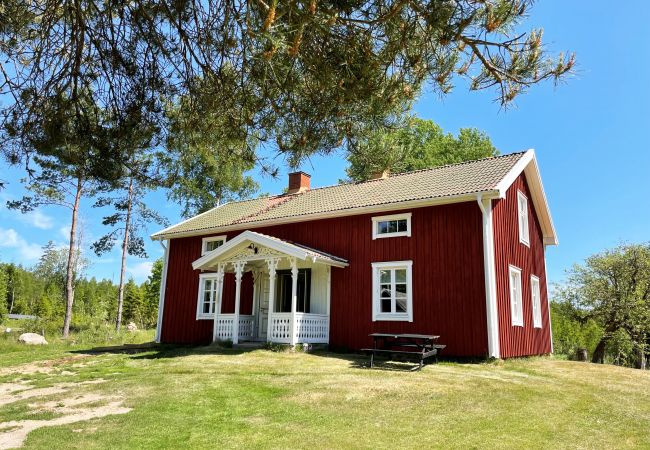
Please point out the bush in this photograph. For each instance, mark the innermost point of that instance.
(571, 332)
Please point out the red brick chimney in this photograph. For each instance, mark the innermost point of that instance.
(298, 182)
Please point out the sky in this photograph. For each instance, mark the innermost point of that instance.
(590, 134)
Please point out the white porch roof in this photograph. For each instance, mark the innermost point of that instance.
(286, 248)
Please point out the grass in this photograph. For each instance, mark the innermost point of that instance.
(210, 398)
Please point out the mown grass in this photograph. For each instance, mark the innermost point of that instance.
(214, 398)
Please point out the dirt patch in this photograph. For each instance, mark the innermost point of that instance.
(47, 366)
(18, 430)
(13, 392)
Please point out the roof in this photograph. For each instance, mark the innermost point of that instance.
(283, 246)
(444, 184)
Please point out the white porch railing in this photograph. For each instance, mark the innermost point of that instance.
(280, 328)
(312, 328)
(309, 328)
(225, 324)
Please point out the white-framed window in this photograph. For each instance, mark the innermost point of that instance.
(208, 296)
(516, 304)
(211, 243)
(522, 214)
(391, 226)
(536, 301)
(392, 291)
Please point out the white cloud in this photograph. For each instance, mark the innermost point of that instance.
(140, 271)
(26, 251)
(38, 219)
(64, 232)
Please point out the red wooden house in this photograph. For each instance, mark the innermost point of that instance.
(456, 251)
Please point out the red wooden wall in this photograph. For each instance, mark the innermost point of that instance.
(448, 280)
(515, 340)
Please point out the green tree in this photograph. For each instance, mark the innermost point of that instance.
(61, 184)
(134, 304)
(418, 144)
(613, 288)
(4, 287)
(573, 329)
(129, 219)
(303, 76)
(152, 292)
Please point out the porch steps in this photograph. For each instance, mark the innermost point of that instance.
(249, 345)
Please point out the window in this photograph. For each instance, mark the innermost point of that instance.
(208, 296)
(392, 291)
(283, 291)
(212, 243)
(391, 226)
(522, 208)
(536, 300)
(515, 297)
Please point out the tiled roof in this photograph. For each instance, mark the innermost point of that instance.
(439, 182)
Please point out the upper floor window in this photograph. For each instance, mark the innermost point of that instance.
(392, 291)
(522, 208)
(536, 301)
(208, 296)
(212, 243)
(516, 304)
(391, 226)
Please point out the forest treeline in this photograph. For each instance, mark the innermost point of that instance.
(40, 291)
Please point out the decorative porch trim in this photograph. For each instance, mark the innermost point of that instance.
(274, 248)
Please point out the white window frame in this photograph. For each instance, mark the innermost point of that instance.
(536, 301)
(204, 242)
(377, 315)
(516, 300)
(378, 219)
(522, 218)
(200, 315)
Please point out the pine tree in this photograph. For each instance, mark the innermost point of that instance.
(4, 310)
(134, 303)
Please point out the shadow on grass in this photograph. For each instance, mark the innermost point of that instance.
(152, 350)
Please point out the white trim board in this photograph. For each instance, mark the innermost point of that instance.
(266, 241)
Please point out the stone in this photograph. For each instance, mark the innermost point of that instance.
(132, 327)
(32, 339)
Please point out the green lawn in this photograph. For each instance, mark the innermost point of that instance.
(211, 398)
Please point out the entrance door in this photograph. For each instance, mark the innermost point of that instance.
(263, 311)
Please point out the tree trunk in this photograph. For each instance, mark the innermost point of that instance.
(69, 275)
(13, 296)
(125, 248)
(641, 359)
(599, 352)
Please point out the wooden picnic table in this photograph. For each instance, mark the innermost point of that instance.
(423, 346)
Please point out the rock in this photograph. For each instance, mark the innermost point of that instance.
(32, 339)
(581, 355)
(132, 327)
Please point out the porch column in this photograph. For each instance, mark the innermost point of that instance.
(239, 271)
(294, 299)
(272, 264)
(217, 301)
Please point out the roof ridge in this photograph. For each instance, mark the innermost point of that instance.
(415, 171)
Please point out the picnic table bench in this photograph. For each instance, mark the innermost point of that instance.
(423, 346)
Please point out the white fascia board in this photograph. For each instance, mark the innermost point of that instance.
(333, 214)
(528, 164)
(282, 247)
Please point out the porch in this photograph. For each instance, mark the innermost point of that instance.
(290, 290)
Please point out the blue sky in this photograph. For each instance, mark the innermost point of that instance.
(590, 135)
